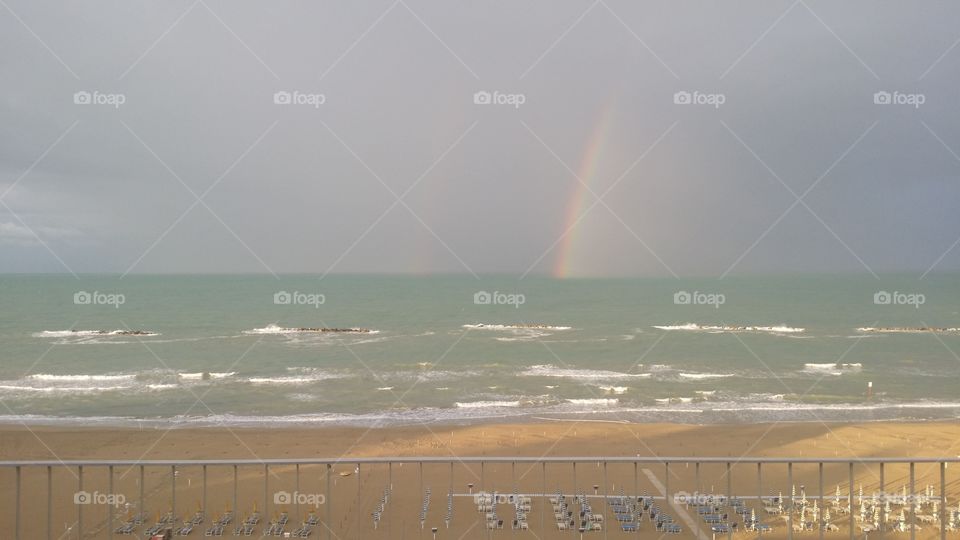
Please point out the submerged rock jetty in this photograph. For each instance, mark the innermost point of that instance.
(907, 330)
(333, 330)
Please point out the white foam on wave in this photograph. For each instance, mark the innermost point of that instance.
(78, 378)
(485, 326)
(617, 390)
(833, 368)
(663, 410)
(841, 407)
(288, 380)
(603, 402)
(273, 329)
(92, 333)
(548, 370)
(65, 384)
(61, 389)
(200, 375)
(681, 400)
(717, 329)
(486, 404)
(299, 375)
(702, 376)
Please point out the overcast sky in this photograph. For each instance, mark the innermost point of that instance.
(188, 164)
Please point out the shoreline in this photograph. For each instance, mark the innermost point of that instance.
(782, 413)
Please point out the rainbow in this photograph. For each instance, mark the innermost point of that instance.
(587, 172)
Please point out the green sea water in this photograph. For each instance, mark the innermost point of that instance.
(225, 349)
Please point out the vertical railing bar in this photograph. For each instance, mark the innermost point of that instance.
(544, 499)
(16, 525)
(820, 520)
(420, 495)
(883, 505)
(853, 524)
(390, 484)
(203, 497)
(236, 488)
(142, 510)
(790, 506)
(266, 490)
(574, 478)
(80, 506)
(482, 486)
(49, 502)
(729, 495)
(296, 496)
(173, 490)
(759, 481)
(696, 474)
(636, 490)
(449, 492)
(666, 484)
(359, 511)
(329, 502)
(943, 501)
(913, 505)
(110, 509)
(606, 495)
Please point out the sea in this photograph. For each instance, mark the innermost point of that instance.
(373, 350)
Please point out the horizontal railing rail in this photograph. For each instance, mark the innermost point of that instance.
(475, 459)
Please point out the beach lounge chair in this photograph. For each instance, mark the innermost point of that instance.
(186, 529)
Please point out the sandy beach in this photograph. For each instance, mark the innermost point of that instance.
(349, 489)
